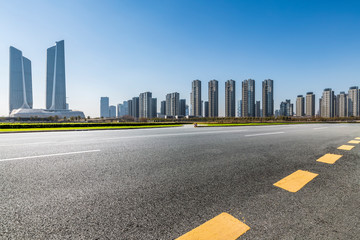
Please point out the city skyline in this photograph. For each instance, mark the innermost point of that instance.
(307, 48)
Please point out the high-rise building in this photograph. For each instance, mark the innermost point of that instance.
(239, 112)
(300, 106)
(135, 107)
(195, 98)
(55, 77)
(268, 98)
(182, 107)
(341, 102)
(130, 107)
(286, 108)
(248, 98)
(154, 108)
(213, 98)
(104, 107)
(206, 109)
(230, 98)
(112, 111)
(353, 101)
(123, 109)
(310, 104)
(20, 84)
(327, 103)
(257, 109)
(163, 108)
(173, 104)
(145, 101)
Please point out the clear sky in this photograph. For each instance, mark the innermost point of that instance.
(122, 48)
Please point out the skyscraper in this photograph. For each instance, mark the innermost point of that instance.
(213, 98)
(55, 77)
(341, 100)
(112, 111)
(239, 107)
(173, 104)
(182, 110)
(163, 108)
(257, 109)
(300, 106)
(310, 104)
(327, 103)
(195, 98)
(286, 108)
(230, 98)
(268, 98)
(20, 84)
(104, 107)
(353, 101)
(206, 109)
(130, 107)
(248, 98)
(135, 107)
(154, 108)
(145, 101)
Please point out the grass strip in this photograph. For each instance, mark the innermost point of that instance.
(83, 128)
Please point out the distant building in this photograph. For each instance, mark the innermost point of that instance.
(20, 85)
(286, 108)
(300, 106)
(310, 104)
(239, 112)
(182, 107)
(353, 102)
(341, 102)
(173, 104)
(130, 107)
(112, 111)
(268, 98)
(123, 109)
(154, 108)
(135, 111)
(206, 109)
(248, 98)
(327, 103)
(195, 98)
(230, 98)
(145, 101)
(213, 98)
(55, 77)
(104, 107)
(163, 108)
(257, 109)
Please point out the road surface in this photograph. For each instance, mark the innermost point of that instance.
(163, 183)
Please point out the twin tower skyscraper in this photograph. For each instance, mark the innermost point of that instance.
(20, 92)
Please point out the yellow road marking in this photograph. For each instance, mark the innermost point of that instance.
(354, 141)
(345, 147)
(221, 227)
(329, 158)
(358, 138)
(295, 181)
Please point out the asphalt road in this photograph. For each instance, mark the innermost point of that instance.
(162, 183)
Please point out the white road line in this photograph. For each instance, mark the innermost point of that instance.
(262, 134)
(320, 128)
(48, 155)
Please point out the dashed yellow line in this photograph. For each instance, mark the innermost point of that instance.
(354, 141)
(345, 147)
(295, 181)
(221, 227)
(329, 158)
(358, 138)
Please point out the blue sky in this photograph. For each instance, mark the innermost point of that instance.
(121, 48)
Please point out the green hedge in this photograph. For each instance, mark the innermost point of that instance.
(76, 125)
